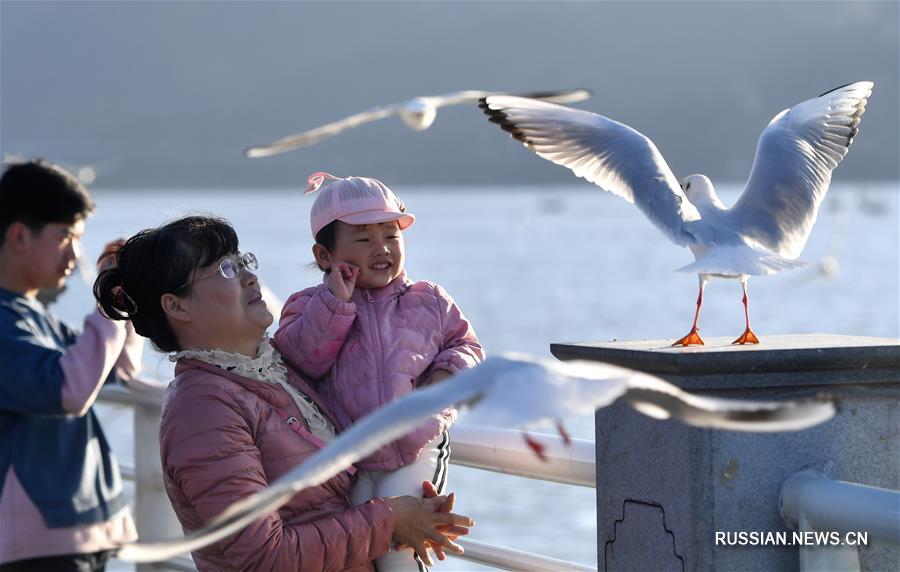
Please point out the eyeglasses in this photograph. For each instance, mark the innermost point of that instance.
(229, 267)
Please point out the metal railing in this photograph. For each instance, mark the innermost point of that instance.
(505, 451)
(812, 503)
(487, 448)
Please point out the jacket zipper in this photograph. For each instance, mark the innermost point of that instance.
(379, 358)
(376, 337)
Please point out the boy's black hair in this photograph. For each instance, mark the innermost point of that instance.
(39, 192)
(159, 261)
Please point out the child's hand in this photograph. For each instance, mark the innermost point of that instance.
(436, 376)
(342, 280)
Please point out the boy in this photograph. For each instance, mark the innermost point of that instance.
(61, 500)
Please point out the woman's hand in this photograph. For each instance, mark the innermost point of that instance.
(450, 531)
(342, 280)
(418, 522)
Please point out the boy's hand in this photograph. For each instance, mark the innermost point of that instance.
(342, 280)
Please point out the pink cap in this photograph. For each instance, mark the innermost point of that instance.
(354, 200)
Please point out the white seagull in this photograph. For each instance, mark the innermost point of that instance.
(511, 390)
(418, 113)
(762, 233)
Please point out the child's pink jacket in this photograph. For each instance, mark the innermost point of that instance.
(376, 348)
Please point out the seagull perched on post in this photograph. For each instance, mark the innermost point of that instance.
(762, 233)
(509, 390)
(418, 113)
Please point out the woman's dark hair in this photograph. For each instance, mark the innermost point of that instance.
(158, 261)
(40, 192)
(327, 237)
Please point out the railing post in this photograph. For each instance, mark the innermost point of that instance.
(668, 489)
(154, 516)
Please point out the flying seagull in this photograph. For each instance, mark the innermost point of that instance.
(510, 390)
(418, 113)
(762, 233)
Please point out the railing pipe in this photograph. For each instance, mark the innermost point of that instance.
(829, 505)
(509, 559)
(505, 451)
(119, 395)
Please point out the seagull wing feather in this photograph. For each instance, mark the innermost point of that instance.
(795, 156)
(366, 436)
(315, 135)
(473, 95)
(559, 96)
(658, 398)
(545, 390)
(465, 96)
(609, 154)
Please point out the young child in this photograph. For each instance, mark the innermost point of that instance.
(62, 506)
(371, 335)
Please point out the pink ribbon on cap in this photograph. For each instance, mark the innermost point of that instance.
(314, 182)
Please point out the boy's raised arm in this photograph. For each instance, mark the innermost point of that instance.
(41, 380)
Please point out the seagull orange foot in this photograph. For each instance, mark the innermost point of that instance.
(692, 339)
(748, 337)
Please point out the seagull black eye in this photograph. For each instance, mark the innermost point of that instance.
(687, 187)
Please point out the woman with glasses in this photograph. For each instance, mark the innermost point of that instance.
(236, 416)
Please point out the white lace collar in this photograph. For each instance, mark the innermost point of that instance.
(266, 366)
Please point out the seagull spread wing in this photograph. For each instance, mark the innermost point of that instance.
(472, 96)
(562, 96)
(792, 170)
(510, 389)
(365, 437)
(609, 154)
(315, 135)
(527, 392)
(465, 96)
(662, 400)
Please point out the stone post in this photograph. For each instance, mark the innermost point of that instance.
(665, 489)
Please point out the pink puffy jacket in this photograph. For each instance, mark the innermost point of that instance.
(376, 348)
(224, 437)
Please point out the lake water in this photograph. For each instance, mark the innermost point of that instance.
(530, 266)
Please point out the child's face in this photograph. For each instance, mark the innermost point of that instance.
(53, 253)
(376, 249)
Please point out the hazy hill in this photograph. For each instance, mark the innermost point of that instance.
(169, 93)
